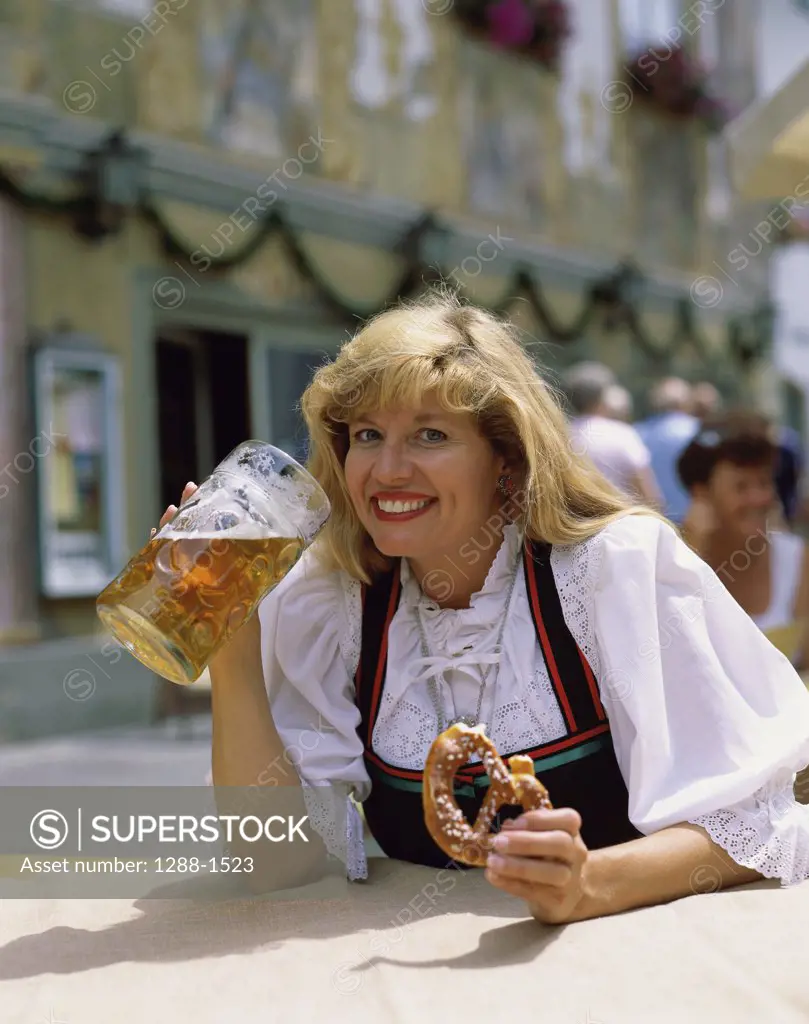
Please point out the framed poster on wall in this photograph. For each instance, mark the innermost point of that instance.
(78, 405)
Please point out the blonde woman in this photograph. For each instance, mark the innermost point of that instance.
(474, 568)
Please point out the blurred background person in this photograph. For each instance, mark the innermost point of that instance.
(729, 472)
(613, 447)
(705, 400)
(618, 403)
(788, 471)
(666, 433)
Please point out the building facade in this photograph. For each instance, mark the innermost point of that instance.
(201, 197)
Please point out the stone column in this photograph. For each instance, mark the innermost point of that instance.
(18, 581)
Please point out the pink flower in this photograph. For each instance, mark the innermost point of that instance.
(511, 23)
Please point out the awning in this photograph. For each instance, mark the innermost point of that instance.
(769, 143)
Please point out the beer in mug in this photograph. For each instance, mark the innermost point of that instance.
(183, 597)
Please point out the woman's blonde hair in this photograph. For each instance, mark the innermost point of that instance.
(471, 362)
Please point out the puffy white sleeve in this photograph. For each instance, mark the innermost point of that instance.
(305, 654)
(710, 721)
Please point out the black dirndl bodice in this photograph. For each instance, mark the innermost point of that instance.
(579, 769)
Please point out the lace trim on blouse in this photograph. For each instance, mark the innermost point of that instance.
(347, 845)
(768, 832)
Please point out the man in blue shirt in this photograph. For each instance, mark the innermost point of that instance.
(788, 470)
(666, 433)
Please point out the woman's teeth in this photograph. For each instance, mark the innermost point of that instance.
(392, 507)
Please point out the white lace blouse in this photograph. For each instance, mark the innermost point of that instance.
(710, 722)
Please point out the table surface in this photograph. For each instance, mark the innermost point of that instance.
(409, 946)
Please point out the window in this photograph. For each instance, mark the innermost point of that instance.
(77, 399)
(260, 69)
(502, 134)
(290, 373)
(647, 21)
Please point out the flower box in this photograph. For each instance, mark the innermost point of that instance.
(536, 29)
(669, 78)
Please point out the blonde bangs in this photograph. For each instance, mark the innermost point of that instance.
(394, 363)
(406, 384)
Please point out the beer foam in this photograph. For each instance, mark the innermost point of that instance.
(244, 531)
(275, 473)
(258, 495)
(296, 494)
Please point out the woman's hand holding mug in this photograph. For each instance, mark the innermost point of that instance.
(171, 511)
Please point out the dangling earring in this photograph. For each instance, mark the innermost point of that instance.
(505, 485)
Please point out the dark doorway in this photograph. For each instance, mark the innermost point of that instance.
(203, 404)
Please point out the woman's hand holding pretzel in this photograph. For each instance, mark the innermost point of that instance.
(541, 858)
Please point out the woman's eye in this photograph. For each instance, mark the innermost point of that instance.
(364, 434)
(433, 435)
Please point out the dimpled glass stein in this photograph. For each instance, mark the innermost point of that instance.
(202, 575)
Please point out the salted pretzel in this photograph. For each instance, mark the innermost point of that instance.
(446, 822)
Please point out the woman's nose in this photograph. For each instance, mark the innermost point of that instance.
(392, 464)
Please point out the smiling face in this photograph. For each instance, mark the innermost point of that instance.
(741, 496)
(423, 481)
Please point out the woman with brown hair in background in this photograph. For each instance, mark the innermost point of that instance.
(734, 524)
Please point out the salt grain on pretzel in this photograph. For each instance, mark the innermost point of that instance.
(446, 823)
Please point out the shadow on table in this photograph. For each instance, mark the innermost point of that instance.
(521, 941)
(517, 943)
(188, 924)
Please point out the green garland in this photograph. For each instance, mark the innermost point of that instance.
(275, 223)
(416, 275)
(38, 203)
(748, 337)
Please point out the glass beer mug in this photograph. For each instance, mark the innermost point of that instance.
(203, 574)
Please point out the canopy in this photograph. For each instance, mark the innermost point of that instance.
(769, 143)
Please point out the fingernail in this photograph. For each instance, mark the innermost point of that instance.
(517, 822)
(495, 863)
(189, 484)
(154, 531)
(500, 842)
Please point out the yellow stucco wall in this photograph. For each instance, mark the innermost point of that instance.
(174, 73)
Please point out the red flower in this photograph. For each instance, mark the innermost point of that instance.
(511, 23)
(531, 28)
(670, 78)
